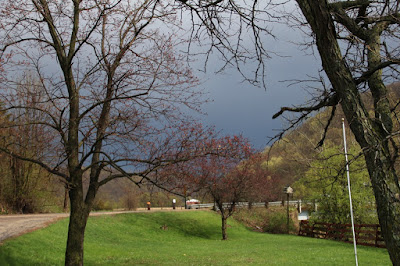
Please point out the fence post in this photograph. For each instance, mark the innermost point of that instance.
(328, 230)
(299, 206)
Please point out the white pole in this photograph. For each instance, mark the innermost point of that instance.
(348, 185)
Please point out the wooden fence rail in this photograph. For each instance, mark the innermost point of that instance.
(366, 234)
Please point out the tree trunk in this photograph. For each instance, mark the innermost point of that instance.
(19, 194)
(65, 204)
(369, 132)
(386, 189)
(76, 229)
(223, 227)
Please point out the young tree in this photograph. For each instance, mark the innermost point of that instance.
(112, 87)
(241, 183)
(247, 181)
(223, 177)
(230, 173)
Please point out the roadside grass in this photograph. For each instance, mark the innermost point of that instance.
(192, 238)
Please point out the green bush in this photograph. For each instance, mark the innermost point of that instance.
(276, 223)
(326, 183)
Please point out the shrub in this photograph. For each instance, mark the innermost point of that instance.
(130, 201)
(276, 223)
(102, 205)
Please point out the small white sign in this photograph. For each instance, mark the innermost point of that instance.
(303, 216)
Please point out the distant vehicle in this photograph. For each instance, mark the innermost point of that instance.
(191, 204)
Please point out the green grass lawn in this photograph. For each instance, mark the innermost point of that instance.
(192, 238)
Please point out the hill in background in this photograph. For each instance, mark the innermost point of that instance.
(292, 156)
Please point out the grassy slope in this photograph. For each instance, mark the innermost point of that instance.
(192, 238)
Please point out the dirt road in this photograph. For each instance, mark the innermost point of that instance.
(15, 225)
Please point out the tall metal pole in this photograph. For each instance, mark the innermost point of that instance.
(348, 185)
(287, 205)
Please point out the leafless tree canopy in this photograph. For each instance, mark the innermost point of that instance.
(105, 71)
(233, 31)
(111, 90)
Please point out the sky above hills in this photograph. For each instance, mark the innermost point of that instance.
(240, 108)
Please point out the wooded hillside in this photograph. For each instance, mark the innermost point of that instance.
(318, 171)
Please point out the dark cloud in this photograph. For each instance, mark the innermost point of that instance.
(239, 107)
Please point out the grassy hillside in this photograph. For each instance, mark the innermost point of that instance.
(191, 238)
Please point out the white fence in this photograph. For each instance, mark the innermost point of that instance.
(296, 203)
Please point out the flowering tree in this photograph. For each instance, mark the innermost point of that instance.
(230, 172)
(246, 181)
(227, 186)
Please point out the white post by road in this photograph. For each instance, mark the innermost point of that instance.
(348, 185)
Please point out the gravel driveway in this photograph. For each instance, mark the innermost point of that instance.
(15, 225)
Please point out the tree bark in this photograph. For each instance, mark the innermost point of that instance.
(223, 227)
(371, 133)
(386, 189)
(76, 229)
(65, 204)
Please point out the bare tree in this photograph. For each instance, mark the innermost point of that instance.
(231, 30)
(113, 87)
(22, 180)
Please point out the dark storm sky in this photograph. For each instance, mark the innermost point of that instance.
(240, 108)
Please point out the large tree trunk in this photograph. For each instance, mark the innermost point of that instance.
(370, 133)
(76, 230)
(386, 189)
